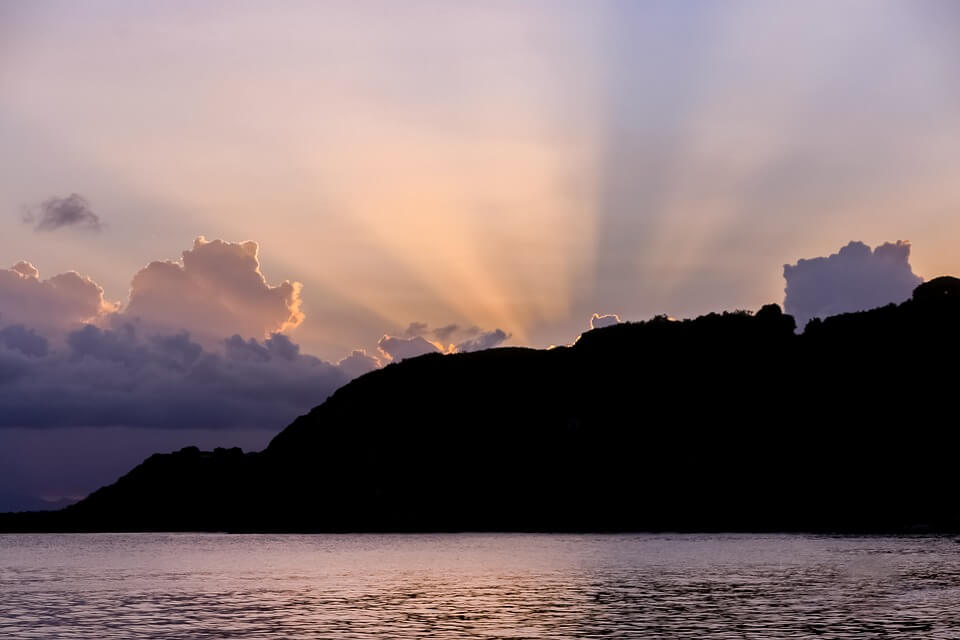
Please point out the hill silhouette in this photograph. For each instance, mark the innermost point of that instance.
(729, 421)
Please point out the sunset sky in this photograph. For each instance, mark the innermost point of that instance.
(498, 166)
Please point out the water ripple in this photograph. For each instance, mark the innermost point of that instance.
(477, 586)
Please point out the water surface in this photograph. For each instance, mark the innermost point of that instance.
(477, 586)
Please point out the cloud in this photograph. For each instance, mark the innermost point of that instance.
(68, 358)
(26, 341)
(56, 213)
(486, 340)
(397, 349)
(60, 302)
(26, 270)
(162, 361)
(415, 340)
(74, 368)
(358, 363)
(854, 279)
(277, 346)
(443, 334)
(108, 346)
(599, 321)
(450, 332)
(12, 366)
(179, 347)
(216, 289)
(116, 377)
(415, 329)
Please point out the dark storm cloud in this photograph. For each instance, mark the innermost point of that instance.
(26, 341)
(12, 366)
(278, 347)
(105, 377)
(853, 279)
(112, 346)
(179, 347)
(56, 213)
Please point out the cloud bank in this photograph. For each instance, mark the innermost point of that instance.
(853, 279)
(198, 348)
(196, 357)
(56, 213)
(199, 345)
(118, 377)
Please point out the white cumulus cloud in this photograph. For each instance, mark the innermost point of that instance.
(216, 289)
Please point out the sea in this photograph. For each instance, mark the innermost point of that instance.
(482, 585)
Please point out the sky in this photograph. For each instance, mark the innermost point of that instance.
(379, 179)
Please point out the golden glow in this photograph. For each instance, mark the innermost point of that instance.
(499, 165)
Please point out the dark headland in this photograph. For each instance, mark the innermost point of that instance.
(728, 422)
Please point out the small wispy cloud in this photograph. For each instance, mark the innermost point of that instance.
(57, 213)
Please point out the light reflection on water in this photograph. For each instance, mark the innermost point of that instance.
(477, 586)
